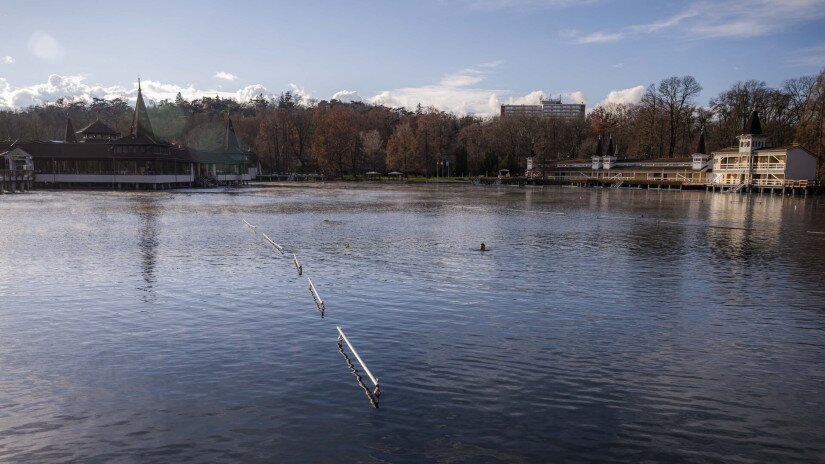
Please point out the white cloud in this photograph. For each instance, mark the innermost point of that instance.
(600, 37)
(703, 19)
(455, 92)
(625, 96)
(347, 96)
(6, 60)
(574, 97)
(460, 92)
(532, 98)
(300, 93)
(252, 91)
(809, 56)
(223, 75)
(45, 46)
(74, 88)
(523, 4)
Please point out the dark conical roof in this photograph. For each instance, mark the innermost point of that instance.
(610, 146)
(230, 143)
(700, 144)
(753, 125)
(141, 126)
(69, 135)
(599, 149)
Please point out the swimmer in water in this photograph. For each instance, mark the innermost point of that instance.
(483, 247)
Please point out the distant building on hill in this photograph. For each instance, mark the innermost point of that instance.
(549, 108)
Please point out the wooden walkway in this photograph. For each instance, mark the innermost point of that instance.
(787, 187)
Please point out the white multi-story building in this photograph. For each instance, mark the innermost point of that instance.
(549, 108)
(754, 164)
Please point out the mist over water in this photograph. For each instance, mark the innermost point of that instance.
(602, 326)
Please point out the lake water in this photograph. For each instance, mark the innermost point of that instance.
(602, 326)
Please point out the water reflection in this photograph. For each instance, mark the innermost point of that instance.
(651, 337)
(760, 227)
(148, 211)
(372, 398)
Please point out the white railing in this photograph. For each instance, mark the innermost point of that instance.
(319, 303)
(275, 245)
(341, 336)
(771, 166)
(768, 182)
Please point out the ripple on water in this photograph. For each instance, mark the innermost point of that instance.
(157, 327)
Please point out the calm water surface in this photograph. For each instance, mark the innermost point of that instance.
(155, 327)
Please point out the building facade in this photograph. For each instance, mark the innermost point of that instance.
(98, 156)
(753, 164)
(549, 108)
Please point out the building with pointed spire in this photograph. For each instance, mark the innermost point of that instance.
(226, 164)
(754, 164)
(101, 157)
(610, 156)
(701, 160)
(69, 135)
(597, 156)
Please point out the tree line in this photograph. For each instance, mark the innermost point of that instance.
(289, 134)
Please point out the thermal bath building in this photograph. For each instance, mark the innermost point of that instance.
(98, 156)
(750, 166)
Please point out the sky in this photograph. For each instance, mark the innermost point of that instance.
(464, 56)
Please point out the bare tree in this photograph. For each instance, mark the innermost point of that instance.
(677, 93)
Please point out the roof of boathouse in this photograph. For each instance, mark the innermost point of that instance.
(91, 151)
(98, 127)
(230, 153)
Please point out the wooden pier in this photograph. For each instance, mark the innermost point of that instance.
(792, 188)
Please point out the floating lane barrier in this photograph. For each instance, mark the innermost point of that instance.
(342, 337)
(816, 232)
(538, 212)
(624, 218)
(272, 242)
(315, 296)
(249, 225)
(373, 399)
(298, 266)
(712, 226)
